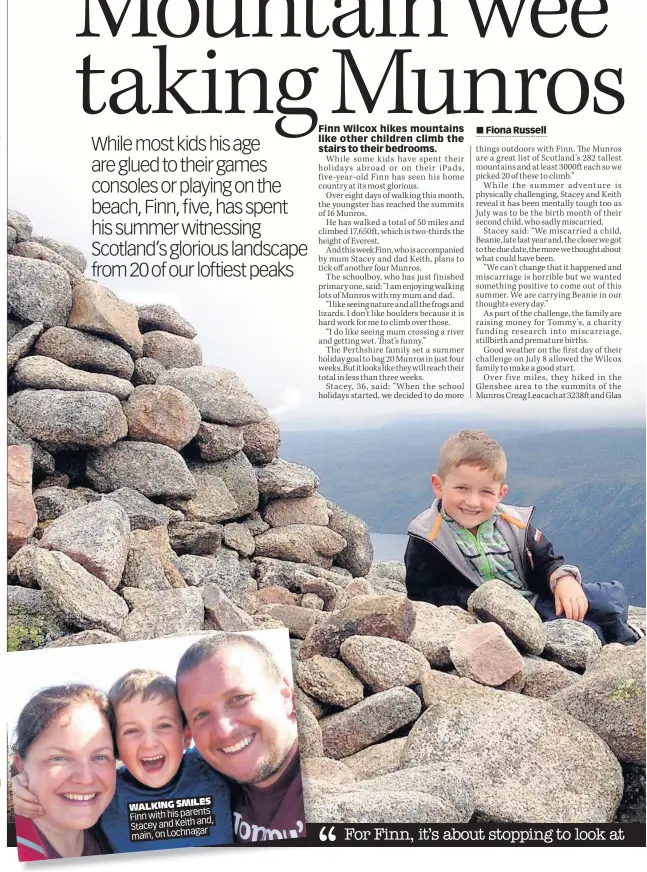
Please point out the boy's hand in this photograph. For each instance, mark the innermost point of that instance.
(25, 804)
(570, 599)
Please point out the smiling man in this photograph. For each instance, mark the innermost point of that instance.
(240, 710)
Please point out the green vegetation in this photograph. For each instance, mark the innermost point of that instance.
(626, 691)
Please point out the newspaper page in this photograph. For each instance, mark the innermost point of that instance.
(328, 316)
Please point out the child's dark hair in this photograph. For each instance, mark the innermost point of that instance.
(45, 705)
(147, 682)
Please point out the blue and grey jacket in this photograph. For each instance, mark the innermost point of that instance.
(438, 572)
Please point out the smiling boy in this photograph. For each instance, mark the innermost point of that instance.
(152, 736)
(468, 537)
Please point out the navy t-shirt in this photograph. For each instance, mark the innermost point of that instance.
(192, 810)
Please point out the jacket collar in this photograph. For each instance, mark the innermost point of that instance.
(512, 522)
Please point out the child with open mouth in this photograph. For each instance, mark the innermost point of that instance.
(156, 777)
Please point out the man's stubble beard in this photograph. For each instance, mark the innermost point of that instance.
(270, 766)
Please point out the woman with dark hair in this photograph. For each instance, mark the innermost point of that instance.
(65, 749)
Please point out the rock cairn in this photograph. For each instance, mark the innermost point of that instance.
(147, 498)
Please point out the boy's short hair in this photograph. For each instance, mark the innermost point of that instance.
(147, 682)
(472, 448)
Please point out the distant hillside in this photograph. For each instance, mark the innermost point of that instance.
(588, 485)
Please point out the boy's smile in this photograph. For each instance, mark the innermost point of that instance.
(469, 494)
(151, 738)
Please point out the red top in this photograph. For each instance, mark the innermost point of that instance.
(29, 841)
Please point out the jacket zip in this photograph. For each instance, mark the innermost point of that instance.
(524, 550)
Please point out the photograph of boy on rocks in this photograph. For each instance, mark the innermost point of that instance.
(147, 497)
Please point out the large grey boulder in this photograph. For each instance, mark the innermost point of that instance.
(99, 311)
(497, 601)
(22, 343)
(610, 699)
(329, 680)
(377, 759)
(368, 806)
(371, 720)
(225, 570)
(261, 440)
(218, 393)
(391, 616)
(283, 479)
(20, 224)
(45, 373)
(38, 291)
(83, 600)
(40, 252)
(226, 489)
(94, 536)
(68, 419)
(159, 413)
(506, 745)
(571, 643)
(302, 543)
(383, 663)
(154, 470)
(69, 252)
(52, 502)
(218, 441)
(357, 556)
(156, 613)
(84, 351)
(143, 514)
(443, 781)
(297, 510)
(159, 316)
(172, 350)
(543, 678)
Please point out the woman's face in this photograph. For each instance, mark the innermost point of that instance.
(71, 767)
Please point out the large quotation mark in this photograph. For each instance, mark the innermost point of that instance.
(331, 837)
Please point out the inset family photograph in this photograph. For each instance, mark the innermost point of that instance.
(170, 743)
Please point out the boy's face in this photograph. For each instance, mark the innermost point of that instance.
(151, 738)
(469, 494)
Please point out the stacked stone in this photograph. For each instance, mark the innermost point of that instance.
(412, 712)
(147, 499)
(146, 490)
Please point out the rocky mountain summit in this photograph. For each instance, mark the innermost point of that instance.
(147, 498)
